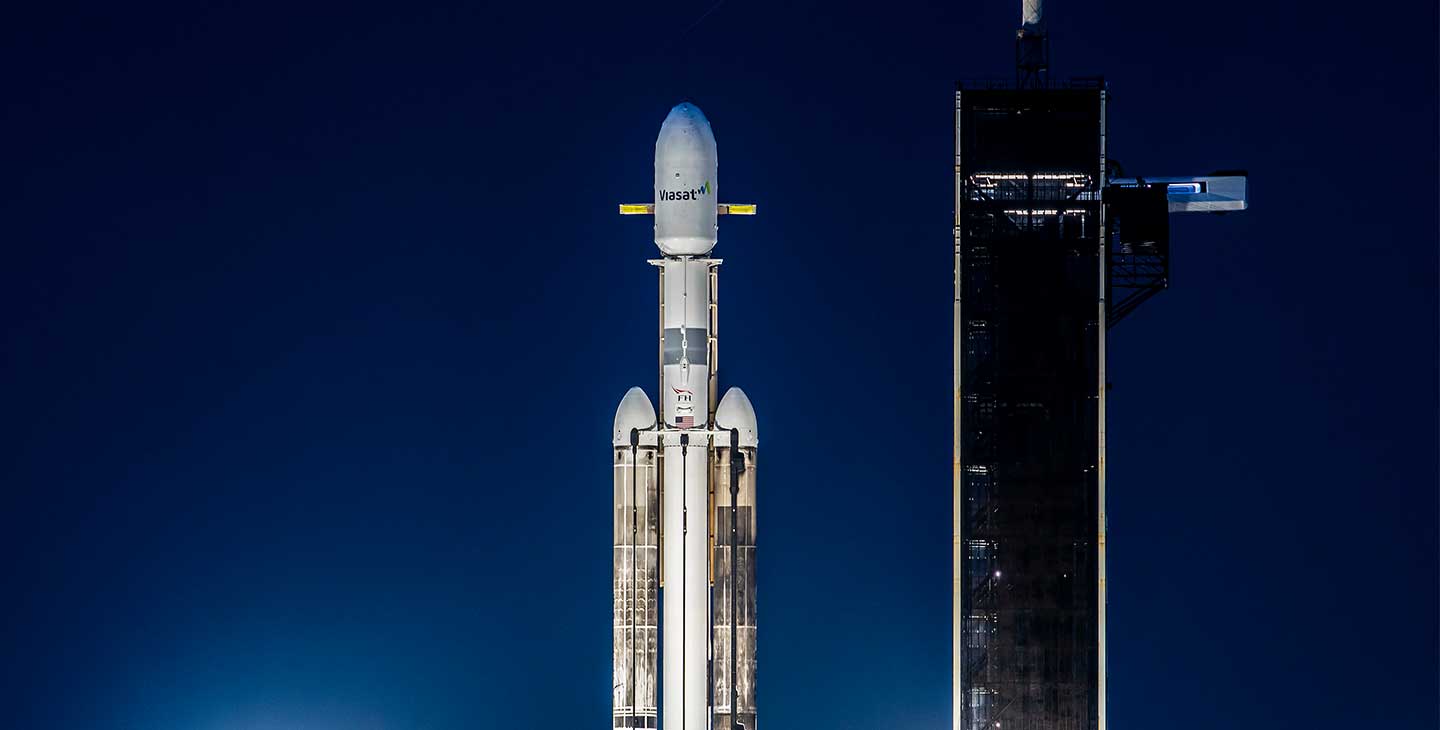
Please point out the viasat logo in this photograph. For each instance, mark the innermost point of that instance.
(691, 194)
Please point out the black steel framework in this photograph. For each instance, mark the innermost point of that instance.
(1031, 250)
(1032, 58)
(1139, 243)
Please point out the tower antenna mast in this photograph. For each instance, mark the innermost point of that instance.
(1032, 46)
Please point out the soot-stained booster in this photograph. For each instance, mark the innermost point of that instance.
(684, 551)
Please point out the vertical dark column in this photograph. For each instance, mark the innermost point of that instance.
(1030, 339)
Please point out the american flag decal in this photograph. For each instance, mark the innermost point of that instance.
(685, 422)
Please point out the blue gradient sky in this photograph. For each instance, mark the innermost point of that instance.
(315, 318)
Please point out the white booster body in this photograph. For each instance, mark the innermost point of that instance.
(685, 342)
(684, 384)
(685, 599)
(636, 572)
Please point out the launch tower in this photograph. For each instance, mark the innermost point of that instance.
(1051, 250)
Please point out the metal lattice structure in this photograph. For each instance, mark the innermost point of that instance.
(1139, 243)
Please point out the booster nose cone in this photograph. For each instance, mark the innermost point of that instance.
(736, 412)
(635, 412)
(685, 178)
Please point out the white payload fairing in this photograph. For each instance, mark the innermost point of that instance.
(685, 478)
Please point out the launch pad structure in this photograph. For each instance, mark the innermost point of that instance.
(1052, 249)
(1053, 246)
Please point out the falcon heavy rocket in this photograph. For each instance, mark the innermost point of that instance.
(684, 510)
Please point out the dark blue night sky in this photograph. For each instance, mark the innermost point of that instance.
(315, 319)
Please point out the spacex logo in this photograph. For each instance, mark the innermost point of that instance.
(691, 194)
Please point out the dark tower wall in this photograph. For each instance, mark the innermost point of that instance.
(1029, 338)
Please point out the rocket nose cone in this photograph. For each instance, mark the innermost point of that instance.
(736, 412)
(635, 412)
(685, 125)
(687, 113)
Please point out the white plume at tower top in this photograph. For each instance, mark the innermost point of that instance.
(1032, 14)
(635, 412)
(685, 182)
(736, 412)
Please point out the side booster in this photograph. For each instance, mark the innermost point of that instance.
(684, 557)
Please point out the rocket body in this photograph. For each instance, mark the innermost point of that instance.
(685, 626)
(685, 342)
(636, 567)
(685, 227)
(684, 452)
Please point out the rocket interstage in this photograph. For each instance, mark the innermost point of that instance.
(684, 550)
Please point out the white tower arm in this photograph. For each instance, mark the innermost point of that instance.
(1199, 194)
